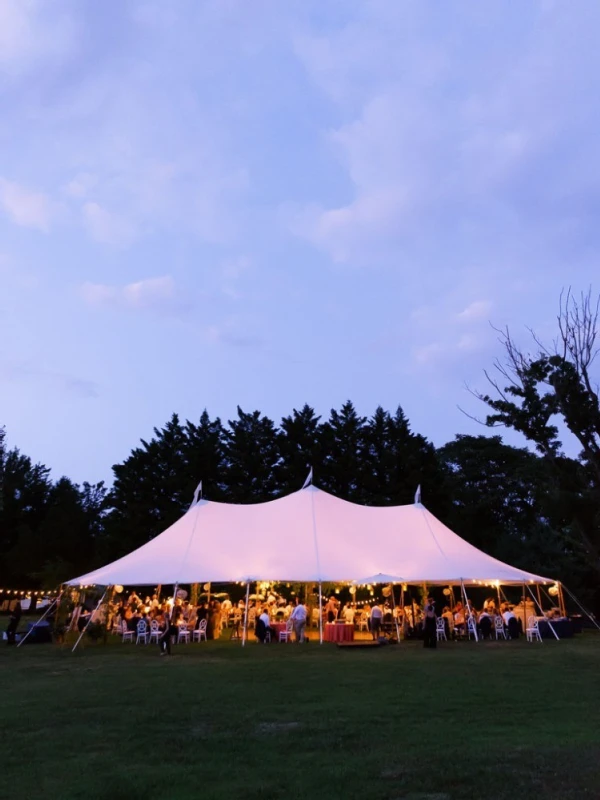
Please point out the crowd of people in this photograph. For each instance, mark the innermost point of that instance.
(169, 616)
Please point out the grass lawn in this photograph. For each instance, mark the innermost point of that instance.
(215, 721)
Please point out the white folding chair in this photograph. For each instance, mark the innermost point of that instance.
(499, 628)
(472, 628)
(200, 633)
(154, 631)
(440, 629)
(126, 633)
(183, 634)
(142, 632)
(286, 635)
(532, 631)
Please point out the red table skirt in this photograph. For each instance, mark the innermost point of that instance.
(278, 627)
(338, 633)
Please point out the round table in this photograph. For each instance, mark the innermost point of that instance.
(336, 632)
(277, 627)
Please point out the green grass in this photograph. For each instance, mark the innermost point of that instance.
(215, 721)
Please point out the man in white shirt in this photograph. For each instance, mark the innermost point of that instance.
(266, 625)
(376, 620)
(298, 619)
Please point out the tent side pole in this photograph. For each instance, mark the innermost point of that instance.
(395, 615)
(320, 614)
(587, 613)
(245, 631)
(556, 636)
(499, 598)
(402, 607)
(469, 612)
(561, 600)
(56, 602)
(90, 619)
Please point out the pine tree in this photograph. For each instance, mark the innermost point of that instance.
(343, 440)
(300, 449)
(252, 456)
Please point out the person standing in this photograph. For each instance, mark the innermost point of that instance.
(164, 641)
(376, 620)
(13, 623)
(429, 619)
(298, 619)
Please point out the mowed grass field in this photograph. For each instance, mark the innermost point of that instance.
(215, 721)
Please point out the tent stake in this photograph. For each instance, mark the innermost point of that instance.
(47, 611)
(245, 631)
(320, 614)
(90, 619)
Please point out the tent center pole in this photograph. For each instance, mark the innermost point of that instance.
(320, 613)
(245, 631)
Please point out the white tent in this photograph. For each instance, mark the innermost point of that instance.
(308, 536)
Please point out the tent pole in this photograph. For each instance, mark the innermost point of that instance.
(320, 614)
(556, 636)
(395, 615)
(499, 598)
(245, 631)
(402, 607)
(587, 613)
(90, 619)
(469, 612)
(561, 601)
(56, 602)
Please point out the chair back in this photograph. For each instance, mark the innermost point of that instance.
(499, 623)
(532, 622)
(183, 628)
(141, 627)
(440, 624)
(154, 626)
(203, 624)
(471, 623)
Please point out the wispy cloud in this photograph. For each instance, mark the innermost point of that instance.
(480, 309)
(150, 294)
(26, 207)
(106, 227)
(23, 370)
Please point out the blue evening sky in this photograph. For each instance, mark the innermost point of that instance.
(206, 203)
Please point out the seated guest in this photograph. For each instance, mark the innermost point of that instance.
(263, 626)
(348, 614)
(201, 613)
(511, 622)
(485, 624)
(459, 618)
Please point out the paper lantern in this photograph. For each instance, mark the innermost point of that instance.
(553, 590)
(206, 587)
(352, 590)
(447, 592)
(118, 589)
(386, 591)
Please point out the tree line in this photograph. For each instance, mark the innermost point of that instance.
(536, 510)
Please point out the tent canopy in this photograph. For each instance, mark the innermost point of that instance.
(307, 536)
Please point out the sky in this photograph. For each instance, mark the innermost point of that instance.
(213, 203)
